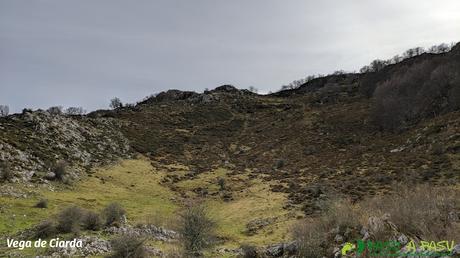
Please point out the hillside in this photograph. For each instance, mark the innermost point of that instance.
(32, 143)
(283, 156)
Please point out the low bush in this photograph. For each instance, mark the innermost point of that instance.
(55, 111)
(70, 219)
(6, 174)
(44, 230)
(423, 211)
(249, 251)
(92, 221)
(310, 237)
(279, 163)
(43, 203)
(60, 170)
(128, 246)
(113, 214)
(221, 183)
(196, 229)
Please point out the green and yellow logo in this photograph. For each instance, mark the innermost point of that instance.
(395, 249)
(347, 248)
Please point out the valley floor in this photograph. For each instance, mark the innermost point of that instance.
(150, 199)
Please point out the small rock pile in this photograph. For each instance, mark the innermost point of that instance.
(91, 246)
(152, 231)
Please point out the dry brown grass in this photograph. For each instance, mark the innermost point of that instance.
(340, 217)
(422, 212)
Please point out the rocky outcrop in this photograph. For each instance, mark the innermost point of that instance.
(94, 246)
(31, 143)
(253, 226)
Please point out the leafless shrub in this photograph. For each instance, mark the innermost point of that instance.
(69, 220)
(6, 174)
(92, 221)
(310, 238)
(44, 230)
(279, 164)
(113, 213)
(253, 89)
(4, 110)
(422, 211)
(128, 246)
(60, 170)
(249, 251)
(221, 183)
(116, 103)
(74, 111)
(196, 229)
(57, 110)
(43, 203)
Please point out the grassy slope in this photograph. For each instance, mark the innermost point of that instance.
(136, 185)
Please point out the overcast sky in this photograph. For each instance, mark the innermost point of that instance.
(84, 52)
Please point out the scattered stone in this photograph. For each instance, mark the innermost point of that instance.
(91, 246)
(456, 250)
(155, 232)
(253, 226)
(403, 239)
(338, 239)
(50, 176)
(276, 250)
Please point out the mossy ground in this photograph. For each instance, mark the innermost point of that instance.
(137, 186)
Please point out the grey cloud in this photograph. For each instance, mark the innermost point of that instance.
(84, 52)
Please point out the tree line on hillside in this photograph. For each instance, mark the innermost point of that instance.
(377, 64)
(54, 110)
(424, 89)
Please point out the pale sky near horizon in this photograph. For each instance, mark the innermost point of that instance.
(84, 52)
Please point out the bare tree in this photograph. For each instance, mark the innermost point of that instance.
(375, 66)
(439, 49)
(75, 111)
(253, 89)
(365, 69)
(4, 110)
(339, 72)
(396, 59)
(56, 110)
(416, 51)
(419, 51)
(409, 53)
(378, 65)
(297, 83)
(116, 103)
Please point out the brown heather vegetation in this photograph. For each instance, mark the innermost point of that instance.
(318, 140)
(330, 149)
(419, 212)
